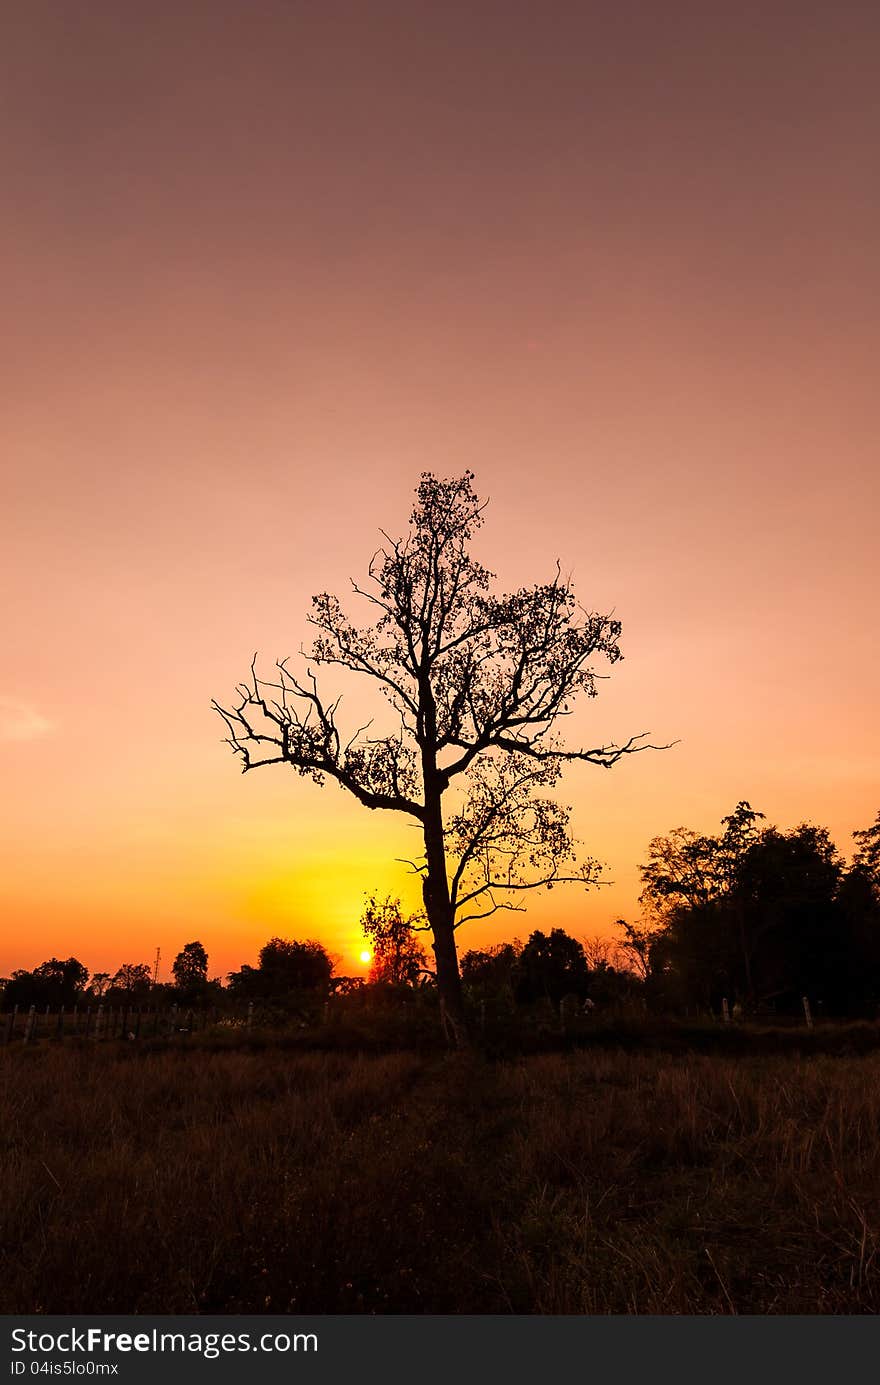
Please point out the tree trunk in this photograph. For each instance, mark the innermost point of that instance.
(746, 952)
(449, 981)
(438, 907)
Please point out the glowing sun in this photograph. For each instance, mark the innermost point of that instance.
(366, 956)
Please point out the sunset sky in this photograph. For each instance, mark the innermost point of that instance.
(264, 263)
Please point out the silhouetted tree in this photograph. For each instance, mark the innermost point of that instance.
(867, 857)
(753, 914)
(858, 905)
(552, 965)
(397, 956)
(492, 971)
(687, 867)
(637, 945)
(786, 889)
(601, 951)
(99, 984)
(52, 983)
(131, 982)
(346, 985)
(284, 967)
(690, 883)
(614, 979)
(478, 683)
(190, 967)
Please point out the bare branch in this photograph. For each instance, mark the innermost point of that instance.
(480, 683)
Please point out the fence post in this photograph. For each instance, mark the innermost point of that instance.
(807, 1016)
(10, 1024)
(99, 1021)
(137, 1024)
(29, 1024)
(250, 1014)
(725, 1010)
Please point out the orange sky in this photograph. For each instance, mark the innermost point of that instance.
(266, 262)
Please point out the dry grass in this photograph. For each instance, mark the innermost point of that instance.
(591, 1182)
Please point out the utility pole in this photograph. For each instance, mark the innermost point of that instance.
(156, 968)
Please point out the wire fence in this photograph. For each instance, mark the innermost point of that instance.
(28, 1024)
(99, 1022)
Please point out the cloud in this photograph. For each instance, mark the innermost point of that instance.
(21, 722)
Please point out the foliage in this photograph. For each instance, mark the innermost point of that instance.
(552, 965)
(285, 967)
(867, 856)
(53, 983)
(492, 972)
(132, 981)
(759, 916)
(397, 957)
(190, 968)
(346, 985)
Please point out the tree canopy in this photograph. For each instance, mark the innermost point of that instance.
(285, 966)
(759, 916)
(190, 967)
(397, 957)
(477, 684)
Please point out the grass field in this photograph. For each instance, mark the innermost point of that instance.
(600, 1181)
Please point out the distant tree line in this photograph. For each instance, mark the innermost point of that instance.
(760, 917)
(753, 915)
(67, 983)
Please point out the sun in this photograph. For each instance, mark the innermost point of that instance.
(366, 956)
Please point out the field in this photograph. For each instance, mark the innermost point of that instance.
(250, 1179)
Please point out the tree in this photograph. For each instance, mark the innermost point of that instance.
(602, 952)
(638, 946)
(867, 856)
(477, 683)
(552, 965)
(787, 885)
(132, 979)
(492, 971)
(53, 983)
(694, 906)
(65, 981)
(753, 913)
(611, 983)
(190, 967)
(285, 966)
(397, 955)
(687, 867)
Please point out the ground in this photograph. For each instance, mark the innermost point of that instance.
(186, 1179)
